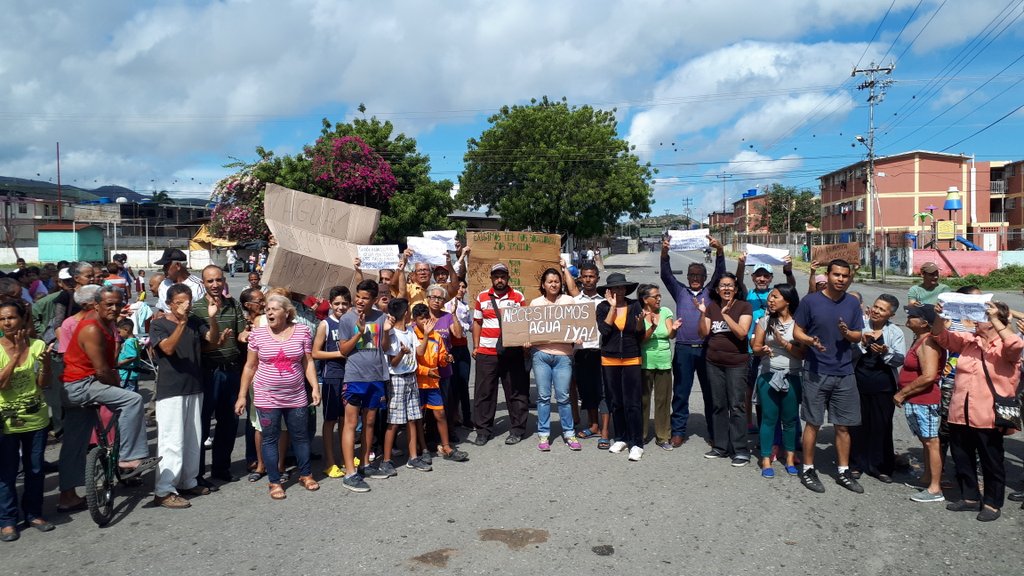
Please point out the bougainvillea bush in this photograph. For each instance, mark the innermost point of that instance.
(238, 214)
(351, 171)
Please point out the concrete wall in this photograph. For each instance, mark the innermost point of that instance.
(963, 261)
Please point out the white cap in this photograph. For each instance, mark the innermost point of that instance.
(63, 274)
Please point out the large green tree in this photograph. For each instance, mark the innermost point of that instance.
(556, 168)
(786, 206)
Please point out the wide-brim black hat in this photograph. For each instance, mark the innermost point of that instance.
(618, 280)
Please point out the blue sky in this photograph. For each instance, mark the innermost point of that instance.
(161, 95)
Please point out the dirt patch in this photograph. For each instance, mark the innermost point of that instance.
(603, 550)
(437, 558)
(516, 538)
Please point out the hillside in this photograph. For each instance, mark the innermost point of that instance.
(23, 187)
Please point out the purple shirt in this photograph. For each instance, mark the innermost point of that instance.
(681, 293)
(444, 328)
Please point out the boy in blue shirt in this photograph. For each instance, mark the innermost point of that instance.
(128, 357)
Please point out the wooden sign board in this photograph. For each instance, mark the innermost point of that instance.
(546, 324)
(824, 254)
(317, 240)
(527, 255)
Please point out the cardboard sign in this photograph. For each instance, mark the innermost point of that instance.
(527, 255)
(433, 252)
(684, 240)
(383, 257)
(824, 254)
(446, 236)
(956, 306)
(764, 255)
(317, 240)
(546, 324)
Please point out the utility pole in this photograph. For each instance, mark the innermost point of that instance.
(687, 203)
(723, 177)
(876, 93)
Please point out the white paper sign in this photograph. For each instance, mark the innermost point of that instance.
(956, 306)
(446, 236)
(567, 258)
(683, 240)
(764, 255)
(383, 257)
(427, 250)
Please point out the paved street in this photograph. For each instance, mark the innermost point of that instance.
(512, 509)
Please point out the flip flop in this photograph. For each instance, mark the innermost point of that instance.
(604, 444)
(255, 476)
(145, 465)
(83, 505)
(585, 433)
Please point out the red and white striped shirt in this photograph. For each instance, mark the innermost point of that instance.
(484, 312)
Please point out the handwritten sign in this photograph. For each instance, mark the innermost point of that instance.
(446, 236)
(317, 240)
(527, 255)
(684, 240)
(956, 306)
(764, 255)
(433, 252)
(383, 257)
(826, 253)
(547, 324)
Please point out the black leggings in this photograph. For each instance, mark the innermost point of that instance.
(625, 389)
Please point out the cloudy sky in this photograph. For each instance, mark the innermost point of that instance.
(717, 95)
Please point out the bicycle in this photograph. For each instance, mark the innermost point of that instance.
(102, 473)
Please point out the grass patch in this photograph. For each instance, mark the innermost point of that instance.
(1006, 278)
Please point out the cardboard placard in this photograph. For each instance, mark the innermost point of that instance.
(317, 240)
(527, 255)
(378, 257)
(824, 254)
(546, 324)
(684, 240)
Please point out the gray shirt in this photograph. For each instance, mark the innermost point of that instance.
(368, 361)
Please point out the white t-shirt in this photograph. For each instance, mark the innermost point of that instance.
(594, 344)
(408, 363)
(193, 282)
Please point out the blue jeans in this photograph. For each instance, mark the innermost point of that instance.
(31, 445)
(270, 421)
(686, 362)
(553, 371)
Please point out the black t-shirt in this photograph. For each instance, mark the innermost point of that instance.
(180, 373)
(724, 348)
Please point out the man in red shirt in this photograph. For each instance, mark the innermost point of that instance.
(494, 362)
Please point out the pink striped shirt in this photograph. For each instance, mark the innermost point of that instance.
(279, 381)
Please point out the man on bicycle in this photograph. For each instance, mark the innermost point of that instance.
(90, 376)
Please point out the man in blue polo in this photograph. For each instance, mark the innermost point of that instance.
(689, 356)
(828, 323)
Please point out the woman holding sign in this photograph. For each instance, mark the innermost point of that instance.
(552, 368)
(621, 323)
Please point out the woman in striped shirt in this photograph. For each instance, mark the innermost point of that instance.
(279, 364)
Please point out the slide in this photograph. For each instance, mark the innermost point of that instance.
(970, 245)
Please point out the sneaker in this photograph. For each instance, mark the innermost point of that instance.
(456, 455)
(208, 443)
(714, 453)
(374, 471)
(846, 480)
(513, 439)
(792, 470)
(388, 469)
(355, 483)
(334, 472)
(963, 506)
(665, 445)
(574, 443)
(617, 447)
(418, 464)
(926, 496)
(916, 483)
(768, 472)
(635, 453)
(427, 458)
(481, 439)
(809, 478)
(544, 445)
(739, 461)
(987, 514)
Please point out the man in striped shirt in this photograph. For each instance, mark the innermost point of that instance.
(496, 363)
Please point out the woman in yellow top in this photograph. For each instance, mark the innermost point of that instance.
(621, 324)
(24, 371)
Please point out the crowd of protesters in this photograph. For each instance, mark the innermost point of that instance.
(388, 366)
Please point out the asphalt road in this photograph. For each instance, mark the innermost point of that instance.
(512, 509)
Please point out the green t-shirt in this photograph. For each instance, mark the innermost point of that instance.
(923, 296)
(23, 396)
(231, 316)
(657, 352)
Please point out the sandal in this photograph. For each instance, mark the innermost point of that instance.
(604, 444)
(308, 483)
(255, 476)
(586, 433)
(277, 492)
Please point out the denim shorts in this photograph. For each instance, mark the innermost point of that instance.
(923, 419)
(369, 395)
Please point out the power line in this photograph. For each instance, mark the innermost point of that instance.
(1004, 117)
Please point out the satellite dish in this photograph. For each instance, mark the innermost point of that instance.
(121, 200)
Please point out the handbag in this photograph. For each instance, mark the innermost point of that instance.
(1007, 408)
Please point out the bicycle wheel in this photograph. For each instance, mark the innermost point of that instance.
(99, 486)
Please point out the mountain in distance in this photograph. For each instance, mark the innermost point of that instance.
(37, 189)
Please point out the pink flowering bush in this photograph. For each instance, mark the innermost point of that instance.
(238, 214)
(351, 171)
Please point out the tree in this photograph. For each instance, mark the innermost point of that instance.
(162, 197)
(554, 168)
(787, 209)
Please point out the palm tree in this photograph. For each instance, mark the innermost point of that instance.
(162, 197)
